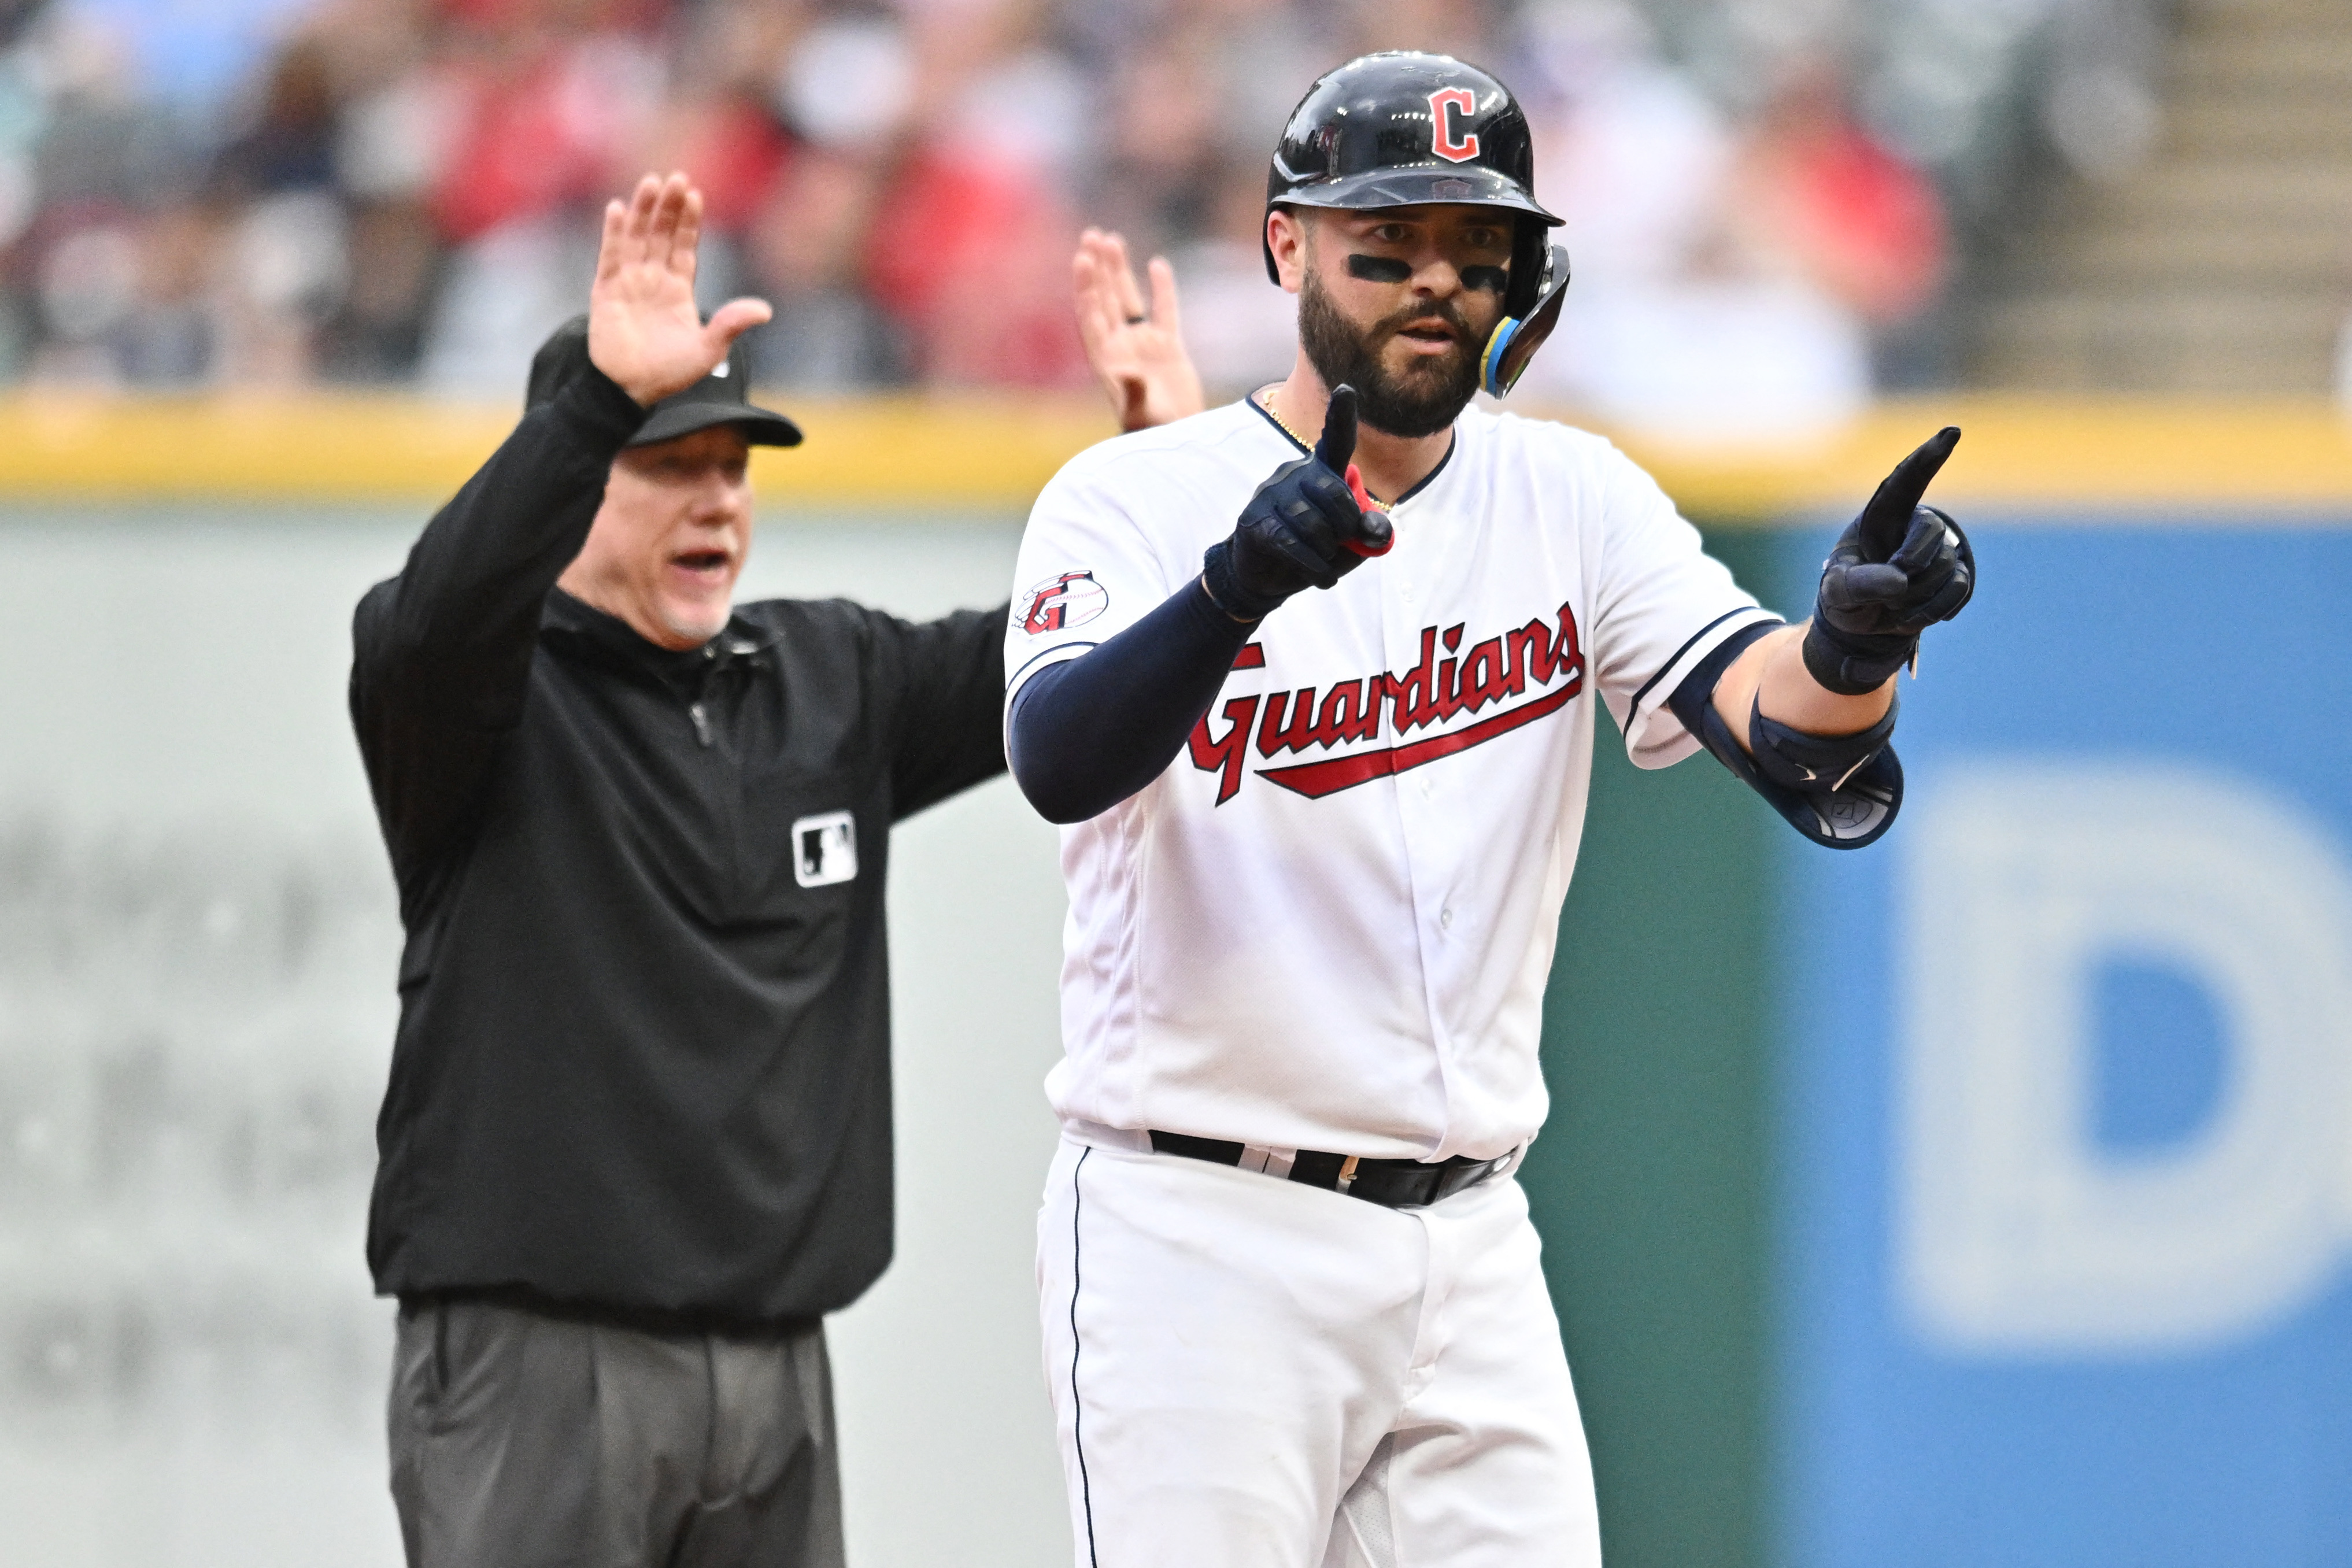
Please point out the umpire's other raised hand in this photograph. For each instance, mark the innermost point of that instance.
(1307, 526)
(644, 329)
(1137, 354)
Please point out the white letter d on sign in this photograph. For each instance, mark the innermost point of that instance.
(2016, 1233)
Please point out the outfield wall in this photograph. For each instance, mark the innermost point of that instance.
(198, 941)
(2066, 1114)
(1977, 1199)
(1985, 1198)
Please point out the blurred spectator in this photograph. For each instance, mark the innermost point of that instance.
(968, 255)
(189, 57)
(1816, 190)
(389, 142)
(1161, 178)
(538, 122)
(843, 89)
(1627, 150)
(167, 336)
(107, 252)
(1722, 356)
(283, 192)
(970, 247)
(1242, 329)
(288, 259)
(807, 248)
(1825, 202)
(1671, 327)
(1465, 29)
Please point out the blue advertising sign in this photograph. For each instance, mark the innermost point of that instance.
(2067, 1105)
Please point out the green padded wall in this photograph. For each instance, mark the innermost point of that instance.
(1650, 1183)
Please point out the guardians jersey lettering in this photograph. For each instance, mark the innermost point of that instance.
(1327, 923)
(1434, 691)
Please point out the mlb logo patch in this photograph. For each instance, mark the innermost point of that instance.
(825, 849)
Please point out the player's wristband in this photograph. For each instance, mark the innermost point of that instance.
(1853, 664)
(1224, 588)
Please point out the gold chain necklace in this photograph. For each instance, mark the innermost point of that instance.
(1265, 399)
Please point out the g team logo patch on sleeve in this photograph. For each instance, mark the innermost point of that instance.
(1071, 599)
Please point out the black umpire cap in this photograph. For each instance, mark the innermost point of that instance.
(722, 397)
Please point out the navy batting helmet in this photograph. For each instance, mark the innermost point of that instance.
(1406, 129)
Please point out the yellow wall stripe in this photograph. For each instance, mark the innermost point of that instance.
(978, 454)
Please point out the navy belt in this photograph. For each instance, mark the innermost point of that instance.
(1391, 1183)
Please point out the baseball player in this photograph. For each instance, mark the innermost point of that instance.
(1311, 682)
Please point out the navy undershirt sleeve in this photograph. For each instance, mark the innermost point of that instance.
(1697, 688)
(1087, 734)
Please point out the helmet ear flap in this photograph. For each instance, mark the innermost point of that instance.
(1529, 248)
(1516, 338)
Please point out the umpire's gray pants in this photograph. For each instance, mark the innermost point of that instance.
(521, 1440)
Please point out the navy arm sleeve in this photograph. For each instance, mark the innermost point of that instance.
(1088, 732)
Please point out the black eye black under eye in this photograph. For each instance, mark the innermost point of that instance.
(1378, 268)
(1493, 278)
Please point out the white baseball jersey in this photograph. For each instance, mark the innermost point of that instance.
(1328, 923)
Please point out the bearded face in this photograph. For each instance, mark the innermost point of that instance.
(1411, 353)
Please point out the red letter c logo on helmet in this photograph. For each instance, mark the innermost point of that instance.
(1444, 140)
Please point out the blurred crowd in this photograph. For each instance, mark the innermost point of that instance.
(205, 192)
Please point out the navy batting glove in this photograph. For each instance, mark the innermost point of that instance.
(1898, 569)
(1304, 528)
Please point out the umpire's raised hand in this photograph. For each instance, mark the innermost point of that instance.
(1898, 569)
(1137, 351)
(1307, 526)
(644, 329)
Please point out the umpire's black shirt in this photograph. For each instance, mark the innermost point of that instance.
(643, 1064)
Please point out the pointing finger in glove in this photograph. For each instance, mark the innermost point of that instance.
(1334, 449)
(1886, 521)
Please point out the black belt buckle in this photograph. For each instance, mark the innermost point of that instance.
(1391, 1183)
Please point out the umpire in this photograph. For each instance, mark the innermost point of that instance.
(636, 1140)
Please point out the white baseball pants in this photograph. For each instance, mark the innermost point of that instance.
(1253, 1374)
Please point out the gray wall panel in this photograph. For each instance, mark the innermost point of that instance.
(196, 948)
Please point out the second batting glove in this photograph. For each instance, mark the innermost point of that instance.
(1898, 569)
(1307, 526)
